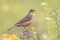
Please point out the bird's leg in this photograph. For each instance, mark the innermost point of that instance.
(26, 28)
(25, 33)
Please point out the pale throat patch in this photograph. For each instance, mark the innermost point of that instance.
(33, 14)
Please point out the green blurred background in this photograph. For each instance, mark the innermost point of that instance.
(46, 19)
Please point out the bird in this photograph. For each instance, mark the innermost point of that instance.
(25, 21)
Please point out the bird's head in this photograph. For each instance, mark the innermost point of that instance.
(32, 12)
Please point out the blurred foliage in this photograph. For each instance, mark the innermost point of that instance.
(47, 18)
(9, 37)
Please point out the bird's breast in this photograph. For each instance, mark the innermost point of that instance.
(27, 23)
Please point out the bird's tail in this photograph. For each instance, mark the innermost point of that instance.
(12, 28)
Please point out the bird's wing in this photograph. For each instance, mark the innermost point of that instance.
(25, 19)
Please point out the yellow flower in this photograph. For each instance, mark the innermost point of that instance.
(44, 36)
(47, 19)
(34, 33)
(43, 4)
(9, 37)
